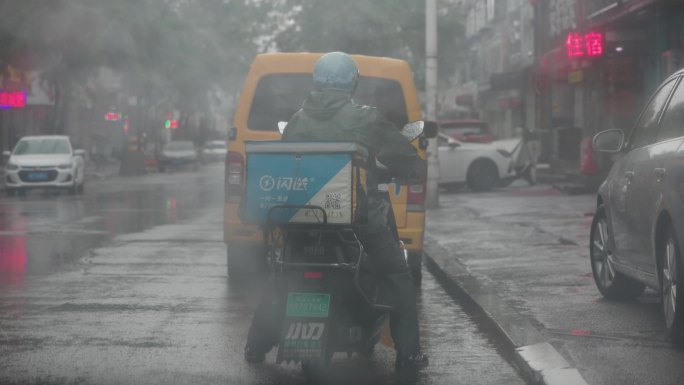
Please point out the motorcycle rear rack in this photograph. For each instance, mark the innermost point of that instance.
(353, 268)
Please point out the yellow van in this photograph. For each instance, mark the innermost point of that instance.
(274, 90)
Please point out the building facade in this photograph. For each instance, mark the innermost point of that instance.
(567, 69)
(496, 81)
(597, 61)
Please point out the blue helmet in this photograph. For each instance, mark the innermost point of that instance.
(335, 71)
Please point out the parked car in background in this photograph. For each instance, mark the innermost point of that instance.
(480, 166)
(44, 162)
(214, 151)
(638, 227)
(467, 130)
(178, 154)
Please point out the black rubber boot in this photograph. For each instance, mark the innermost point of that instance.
(254, 356)
(264, 331)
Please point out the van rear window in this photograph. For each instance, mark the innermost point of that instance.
(278, 96)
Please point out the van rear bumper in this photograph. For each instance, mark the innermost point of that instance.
(247, 251)
(239, 235)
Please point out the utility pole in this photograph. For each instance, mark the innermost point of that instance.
(432, 198)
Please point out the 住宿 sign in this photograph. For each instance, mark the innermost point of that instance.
(584, 44)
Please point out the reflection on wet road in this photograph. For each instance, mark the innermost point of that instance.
(48, 231)
(127, 285)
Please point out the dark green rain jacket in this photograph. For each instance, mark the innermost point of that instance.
(333, 116)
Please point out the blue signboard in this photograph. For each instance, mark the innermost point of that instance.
(276, 176)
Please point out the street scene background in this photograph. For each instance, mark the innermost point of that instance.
(125, 280)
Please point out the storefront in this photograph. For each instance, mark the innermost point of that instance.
(599, 71)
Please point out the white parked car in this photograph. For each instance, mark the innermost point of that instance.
(481, 166)
(177, 154)
(214, 151)
(44, 162)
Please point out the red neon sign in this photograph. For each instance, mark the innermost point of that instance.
(12, 99)
(112, 116)
(575, 45)
(594, 44)
(589, 44)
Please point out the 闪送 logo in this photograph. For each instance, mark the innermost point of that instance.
(268, 183)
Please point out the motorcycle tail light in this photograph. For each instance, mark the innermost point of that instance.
(313, 274)
(417, 188)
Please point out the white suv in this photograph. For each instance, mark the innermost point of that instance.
(44, 162)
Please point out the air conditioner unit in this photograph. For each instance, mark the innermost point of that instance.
(672, 61)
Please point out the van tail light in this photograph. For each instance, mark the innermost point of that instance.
(235, 175)
(417, 188)
(588, 164)
(313, 274)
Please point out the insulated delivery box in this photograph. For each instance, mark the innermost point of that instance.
(331, 175)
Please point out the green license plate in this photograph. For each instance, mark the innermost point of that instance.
(308, 305)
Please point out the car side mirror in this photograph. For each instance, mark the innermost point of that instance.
(453, 144)
(232, 133)
(79, 152)
(6, 153)
(430, 129)
(609, 140)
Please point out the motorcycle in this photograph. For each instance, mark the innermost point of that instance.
(332, 300)
(525, 156)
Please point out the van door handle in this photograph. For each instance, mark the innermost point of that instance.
(629, 174)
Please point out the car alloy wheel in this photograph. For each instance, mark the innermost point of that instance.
(482, 175)
(601, 256)
(671, 266)
(611, 283)
(669, 282)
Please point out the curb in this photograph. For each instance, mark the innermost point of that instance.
(538, 360)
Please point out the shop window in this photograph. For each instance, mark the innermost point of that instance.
(672, 123)
(646, 128)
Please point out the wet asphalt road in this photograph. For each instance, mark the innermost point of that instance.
(127, 284)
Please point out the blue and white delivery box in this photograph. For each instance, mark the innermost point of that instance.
(330, 175)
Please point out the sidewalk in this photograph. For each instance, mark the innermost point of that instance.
(567, 179)
(477, 246)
